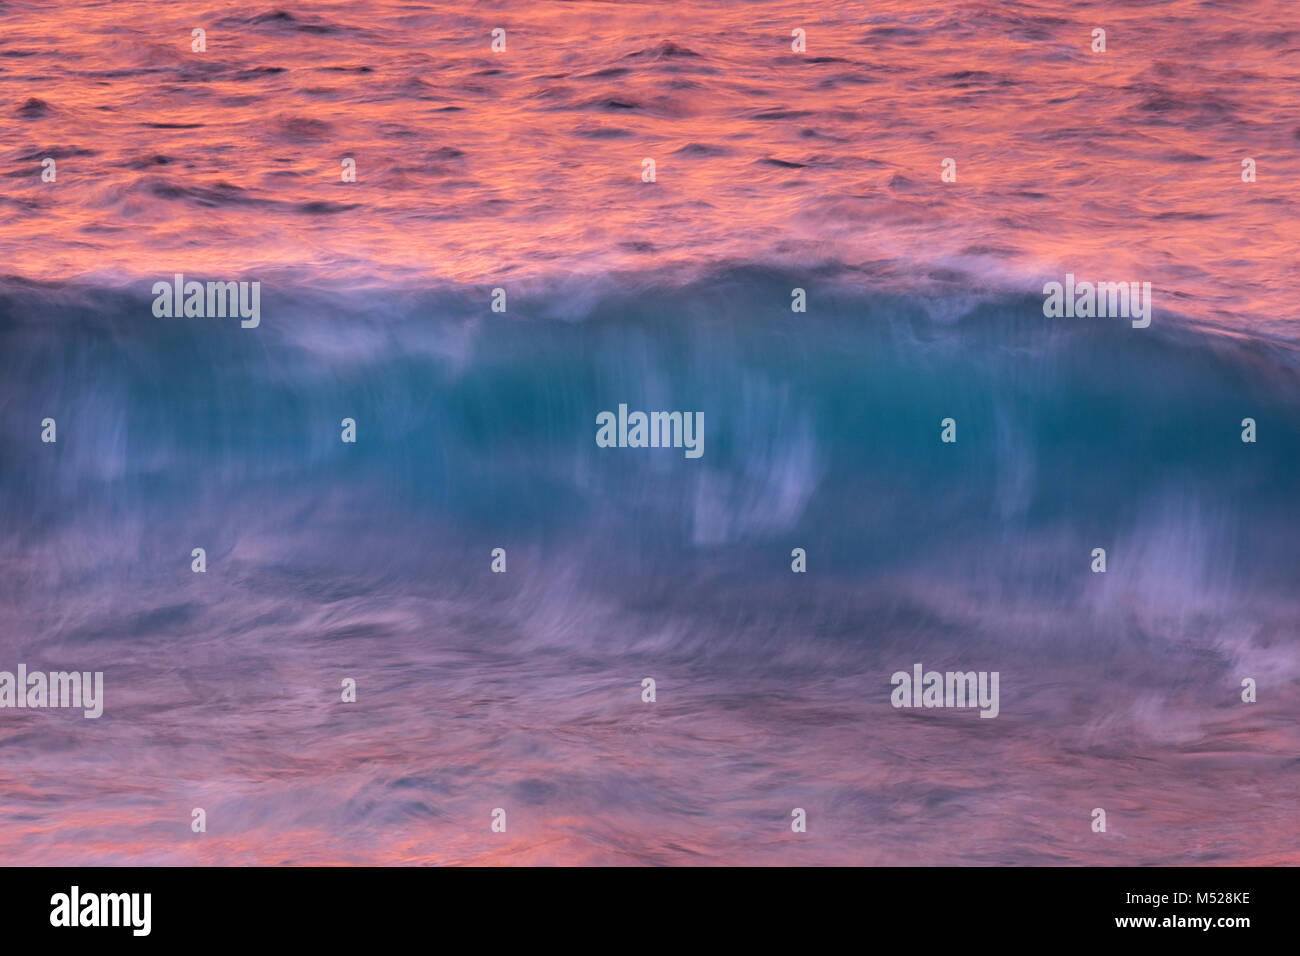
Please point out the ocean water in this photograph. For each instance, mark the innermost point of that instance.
(476, 430)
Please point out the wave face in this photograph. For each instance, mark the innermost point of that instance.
(476, 690)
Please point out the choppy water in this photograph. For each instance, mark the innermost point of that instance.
(481, 166)
(522, 690)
